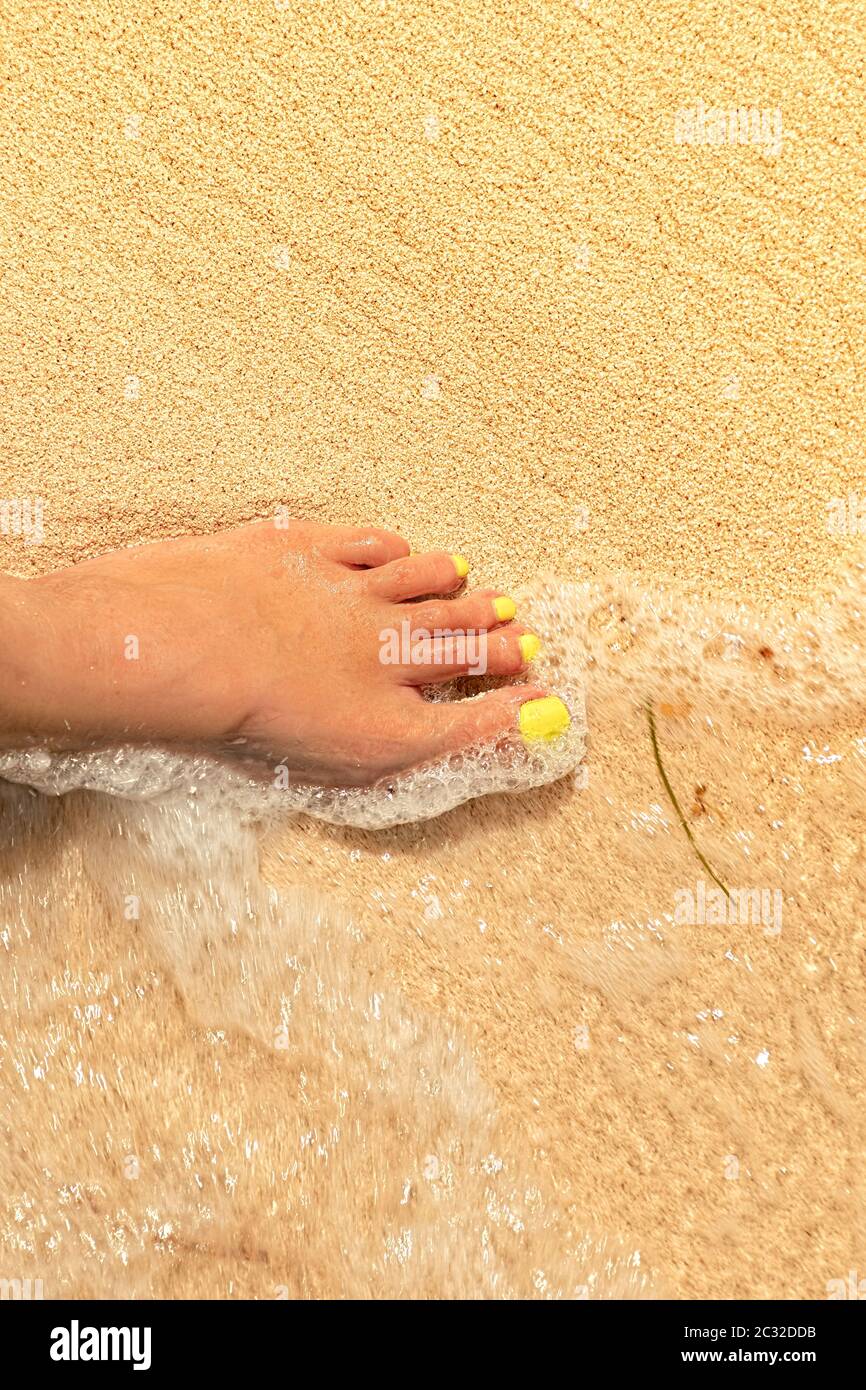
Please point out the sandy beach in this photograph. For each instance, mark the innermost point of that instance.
(450, 271)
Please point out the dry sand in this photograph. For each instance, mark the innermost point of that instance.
(446, 269)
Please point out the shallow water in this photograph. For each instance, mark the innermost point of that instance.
(214, 1085)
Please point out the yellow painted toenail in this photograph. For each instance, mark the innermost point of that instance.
(504, 608)
(543, 719)
(461, 564)
(530, 646)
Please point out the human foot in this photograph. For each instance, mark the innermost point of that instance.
(299, 643)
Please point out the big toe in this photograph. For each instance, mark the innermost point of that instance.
(521, 712)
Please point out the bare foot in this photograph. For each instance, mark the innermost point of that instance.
(302, 640)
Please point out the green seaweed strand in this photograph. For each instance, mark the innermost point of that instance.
(676, 805)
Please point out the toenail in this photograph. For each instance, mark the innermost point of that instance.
(504, 608)
(461, 564)
(546, 718)
(530, 646)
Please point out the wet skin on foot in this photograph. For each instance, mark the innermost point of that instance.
(276, 635)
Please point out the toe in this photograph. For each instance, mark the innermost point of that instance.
(475, 612)
(365, 547)
(526, 712)
(430, 657)
(436, 572)
(511, 649)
